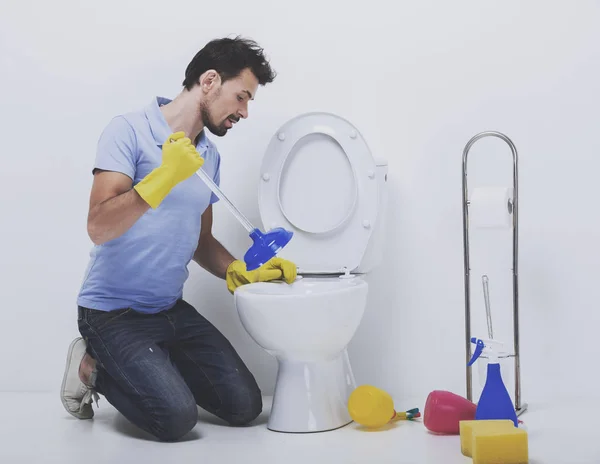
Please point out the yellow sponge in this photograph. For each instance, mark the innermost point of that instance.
(500, 446)
(469, 427)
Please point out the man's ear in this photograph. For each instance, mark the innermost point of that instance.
(209, 80)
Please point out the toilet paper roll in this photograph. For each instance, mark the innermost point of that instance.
(491, 207)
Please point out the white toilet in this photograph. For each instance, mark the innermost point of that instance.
(319, 180)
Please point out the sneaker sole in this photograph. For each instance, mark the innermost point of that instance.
(64, 381)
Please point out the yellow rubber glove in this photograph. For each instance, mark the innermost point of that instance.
(180, 160)
(275, 268)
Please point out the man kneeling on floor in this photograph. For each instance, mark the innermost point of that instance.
(150, 353)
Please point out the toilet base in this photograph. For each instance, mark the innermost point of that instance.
(312, 396)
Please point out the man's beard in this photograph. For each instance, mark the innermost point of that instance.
(219, 130)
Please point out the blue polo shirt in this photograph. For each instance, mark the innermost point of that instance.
(146, 267)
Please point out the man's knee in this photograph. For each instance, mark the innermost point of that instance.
(174, 421)
(246, 405)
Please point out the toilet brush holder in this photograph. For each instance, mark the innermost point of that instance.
(515, 384)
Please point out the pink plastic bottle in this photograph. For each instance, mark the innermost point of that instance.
(444, 410)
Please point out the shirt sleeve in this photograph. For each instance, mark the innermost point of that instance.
(116, 149)
(216, 177)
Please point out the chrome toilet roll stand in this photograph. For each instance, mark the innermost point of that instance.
(513, 207)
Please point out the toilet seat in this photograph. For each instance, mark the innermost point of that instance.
(318, 180)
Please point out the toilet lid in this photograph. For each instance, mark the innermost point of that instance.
(318, 180)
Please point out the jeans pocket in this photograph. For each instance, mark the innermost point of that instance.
(100, 319)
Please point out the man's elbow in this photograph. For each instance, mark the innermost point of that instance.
(97, 236)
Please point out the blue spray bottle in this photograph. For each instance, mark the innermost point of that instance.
(495, 402)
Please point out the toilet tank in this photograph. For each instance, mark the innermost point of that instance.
(376, 246)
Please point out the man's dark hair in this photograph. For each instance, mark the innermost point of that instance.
(229, 57)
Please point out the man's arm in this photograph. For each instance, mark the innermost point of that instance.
(114, 206)
(210, 254)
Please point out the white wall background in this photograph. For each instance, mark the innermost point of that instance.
(417, 78)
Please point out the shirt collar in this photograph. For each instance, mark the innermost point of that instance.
(159, 127)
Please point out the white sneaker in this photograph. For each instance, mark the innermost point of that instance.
(76, 396)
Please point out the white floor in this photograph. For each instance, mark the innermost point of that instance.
(34, 428)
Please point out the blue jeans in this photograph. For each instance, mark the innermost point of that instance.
(155, 369)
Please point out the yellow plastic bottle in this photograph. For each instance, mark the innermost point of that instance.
(372, 407)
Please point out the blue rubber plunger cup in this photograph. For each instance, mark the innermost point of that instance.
(265, 246)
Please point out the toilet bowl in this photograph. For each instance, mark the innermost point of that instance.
(306, 326)
(319, 180)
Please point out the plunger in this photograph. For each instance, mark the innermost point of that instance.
(265, 245)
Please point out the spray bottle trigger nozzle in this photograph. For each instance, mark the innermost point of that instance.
(478, 350)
